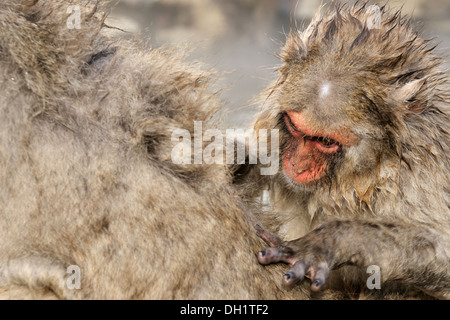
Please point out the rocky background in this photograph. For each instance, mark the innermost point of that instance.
(241, 38)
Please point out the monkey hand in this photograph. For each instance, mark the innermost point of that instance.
(398, 249)
(307, 257)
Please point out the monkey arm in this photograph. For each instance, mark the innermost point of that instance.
(417, 256)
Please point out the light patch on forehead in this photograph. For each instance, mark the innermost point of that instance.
(325, 90)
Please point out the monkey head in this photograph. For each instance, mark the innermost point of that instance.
(352, 88)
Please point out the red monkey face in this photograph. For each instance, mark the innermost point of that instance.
(355, 95)
(310, 152)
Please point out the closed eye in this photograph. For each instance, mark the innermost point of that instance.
(326, 142)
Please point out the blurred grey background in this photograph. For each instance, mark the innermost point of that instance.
(241, 38)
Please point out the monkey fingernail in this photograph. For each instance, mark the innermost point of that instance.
(287, 278)
(316, 285)
(263, 257)
(290, 278)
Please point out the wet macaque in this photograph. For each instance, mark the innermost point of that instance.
(361, 103)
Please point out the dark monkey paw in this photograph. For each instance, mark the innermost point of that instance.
(307, 257)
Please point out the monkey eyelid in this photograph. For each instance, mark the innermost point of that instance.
(323, 141)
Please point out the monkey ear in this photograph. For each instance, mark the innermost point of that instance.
(408, 95)
(373, 17)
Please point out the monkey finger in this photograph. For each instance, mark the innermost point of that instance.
(270, 239)
(319, 277)
(295, 274)
(274, 255)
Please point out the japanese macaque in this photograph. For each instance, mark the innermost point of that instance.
(362, 108)
(91, 204)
